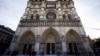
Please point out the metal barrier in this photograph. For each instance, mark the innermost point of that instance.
(57, 54)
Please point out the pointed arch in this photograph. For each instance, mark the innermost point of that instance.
(27, 38)
(50, 32)
(50, 41)
(26, 42)
(72, 36)
(73, 39)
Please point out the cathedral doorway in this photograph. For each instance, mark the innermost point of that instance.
(73, 41)
(51, 40)
(26, 43)
(50, 44)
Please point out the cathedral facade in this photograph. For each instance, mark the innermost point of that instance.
(50, 28)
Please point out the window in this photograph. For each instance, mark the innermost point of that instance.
(35, 0)
(37, 17)
(51, 16)
(32, 16)
(69, 16)
(64, 0)
(0, 36)
(51, 5)
(64, 16)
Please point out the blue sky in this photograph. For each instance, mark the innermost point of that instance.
(88, 10)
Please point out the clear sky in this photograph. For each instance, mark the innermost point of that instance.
(88, 10)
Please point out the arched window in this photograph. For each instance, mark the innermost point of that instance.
(64, 0)
(35, 0)
(37, 17)
(32, 16)
(64, 16)
(40, 0)
(69, 16)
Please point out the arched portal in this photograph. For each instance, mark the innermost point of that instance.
(73, 40)
(50, 42)
(26, 43)
(72, 36)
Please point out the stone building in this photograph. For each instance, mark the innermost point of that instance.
(6, 35)
(50, 28)
(96, 46)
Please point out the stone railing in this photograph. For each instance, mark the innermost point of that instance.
(35, 23)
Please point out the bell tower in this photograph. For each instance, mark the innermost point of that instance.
(50, 27)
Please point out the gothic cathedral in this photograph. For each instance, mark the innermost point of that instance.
(50, 28)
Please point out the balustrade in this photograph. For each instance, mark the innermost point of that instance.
(35, 23)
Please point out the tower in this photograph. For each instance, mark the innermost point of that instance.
(50, 27)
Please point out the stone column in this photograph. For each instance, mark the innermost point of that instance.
(37, 44)
(64, 48)
(37, 47)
